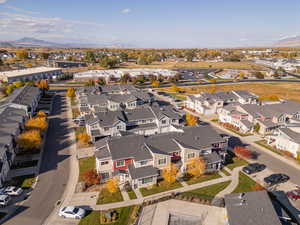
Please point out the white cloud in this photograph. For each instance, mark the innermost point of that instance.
(126, 11)
(18, 25)
(2, 1)
(19, 9)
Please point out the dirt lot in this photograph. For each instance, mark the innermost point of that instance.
(290, 91)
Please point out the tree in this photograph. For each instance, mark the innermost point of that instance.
(124, 56)
(37, 123)
(258, 75)
(243, 152)
(22, 54)
(18, 84)
(196, 167)
(90, 57)
(112, 185)
(256, 128)
(191, 120)
(41, 114)
(71, 92)
(155, 83)
(9, 89)
(91, 177)
(43, 85)
(175, 88)
(190, 56)
(44, 55)
(1, 62)
(29, 140)
(169, 173)
(257, 187)
(84, 138)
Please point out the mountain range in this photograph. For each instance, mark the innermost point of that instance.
(292, 42)
(37, 43)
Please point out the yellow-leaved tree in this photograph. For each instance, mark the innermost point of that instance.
(191, 120)
(84, 138)
(41, 114)
(29, 140)
(169, 173)
(155, 83)
(43, 85)
(112, 185)
(71, 92)
(196, 167)
(38, 123)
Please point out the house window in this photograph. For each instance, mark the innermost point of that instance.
(162, 161)
(163, 122)
(119, 127)
(104, 163)
(191, 155)
(143, 162)
(120, 163)
(105, 176)
(147, 180)
(106, 128)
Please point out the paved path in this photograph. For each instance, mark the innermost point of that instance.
(234, 183)
(54, 171)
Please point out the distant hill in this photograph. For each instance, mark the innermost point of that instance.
(29, 42)
(293, 42)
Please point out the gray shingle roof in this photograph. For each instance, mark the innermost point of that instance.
(142, 172)
(291, 134)
(252, 209)
(23, 95)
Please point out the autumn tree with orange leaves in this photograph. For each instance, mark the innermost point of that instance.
(84, 138)
(196, 167)
(29, 140)
(91, 177)
(112, 185)
(191, 120)
(37, 123)
(43, 85)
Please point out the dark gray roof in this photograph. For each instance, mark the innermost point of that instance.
(107, 119)
(252, 209)
(139, 114)
(23, 95)
(291, 134)
(141, 172)
(117, 88)
(121, 98)
(102, 153)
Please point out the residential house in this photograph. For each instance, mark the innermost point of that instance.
(147, 120)
(139, 159)
(210, 103)
(257, 207)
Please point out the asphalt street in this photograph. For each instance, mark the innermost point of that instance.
(54, 171)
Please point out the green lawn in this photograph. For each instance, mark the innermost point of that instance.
(265, 145)
(246, 184)
(225, 172)
(162, 186)
(23, 181)
(209, 192)
(107, 197)
(86, 164)
(203, 178)
(125, 217)
(131, 194)
(236, 163)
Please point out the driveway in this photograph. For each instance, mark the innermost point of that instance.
(54, 171)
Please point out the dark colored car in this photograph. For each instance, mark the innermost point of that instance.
(276, 179)
(254, 168)
(294, 195)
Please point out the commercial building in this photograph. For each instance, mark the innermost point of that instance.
(36, 73)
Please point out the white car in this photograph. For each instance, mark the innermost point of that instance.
(72, 212)
(11, 190)
(4, 200)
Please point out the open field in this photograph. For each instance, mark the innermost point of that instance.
(290, 91)
(195, 65)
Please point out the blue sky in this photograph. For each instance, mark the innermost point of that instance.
(159, 24)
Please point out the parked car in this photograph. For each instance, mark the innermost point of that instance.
(253, 168)
(72, 212)
(276, 178)
(11, 190)
(294, 194)
(4, 200)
